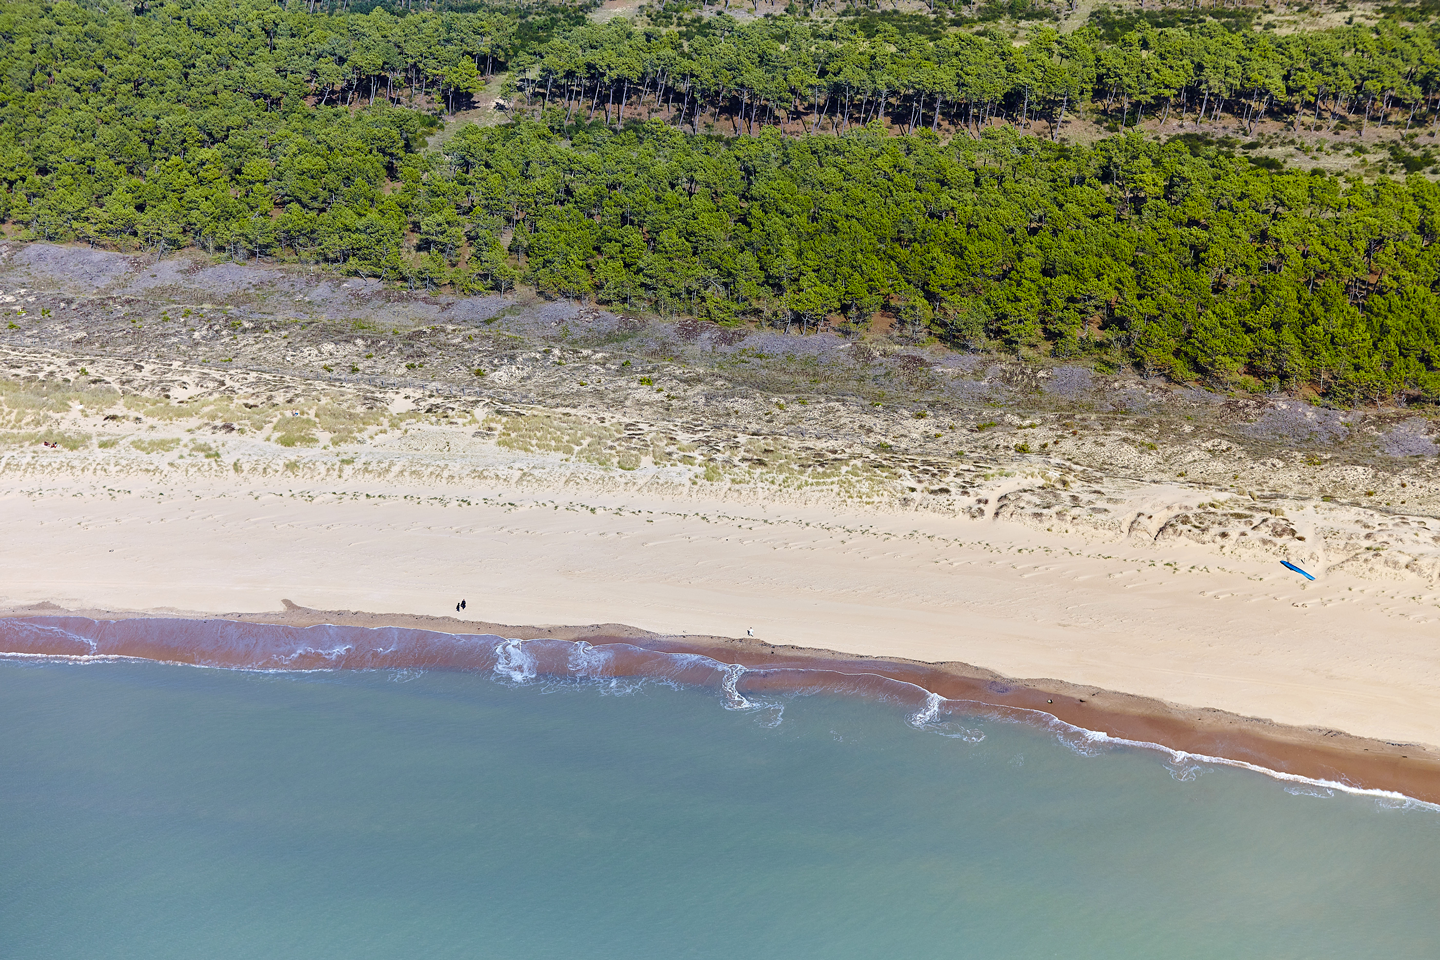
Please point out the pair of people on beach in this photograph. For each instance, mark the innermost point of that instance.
(460, 606)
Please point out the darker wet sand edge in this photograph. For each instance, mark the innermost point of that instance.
(1409, 769)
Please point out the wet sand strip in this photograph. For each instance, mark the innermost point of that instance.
(403, 641)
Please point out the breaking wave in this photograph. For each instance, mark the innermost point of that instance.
(618, 665)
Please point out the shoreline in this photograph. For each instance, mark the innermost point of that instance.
(1123, 535)
(1204, 734)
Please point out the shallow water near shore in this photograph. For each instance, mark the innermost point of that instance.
(161, 811)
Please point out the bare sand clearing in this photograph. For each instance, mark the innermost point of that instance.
(1177, 622)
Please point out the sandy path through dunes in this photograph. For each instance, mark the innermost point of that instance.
(1175, 622)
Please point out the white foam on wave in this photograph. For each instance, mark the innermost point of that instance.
(513, 661)
(520, 661)
(681, 662)
(929, 712)
(731, 675)
(1181, 759)
(1305, 790)
(77, 658)
(955, 731)
(589, 661)
(733, 698)
(929, 719)
(329, 654)
(48, 630)
(776, 711)
(591, 665)
(1182, 764)
(1184, 772)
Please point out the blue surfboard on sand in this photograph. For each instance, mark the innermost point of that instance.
(1292, 566)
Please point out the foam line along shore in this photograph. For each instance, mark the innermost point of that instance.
(302, 639)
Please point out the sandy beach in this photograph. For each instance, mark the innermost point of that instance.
(1177, 625)
(1124, 538)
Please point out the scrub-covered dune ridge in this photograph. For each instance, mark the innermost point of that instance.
(117, 364)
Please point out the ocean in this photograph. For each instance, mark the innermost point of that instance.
(159, 811)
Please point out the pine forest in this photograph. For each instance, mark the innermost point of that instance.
(1188, 191)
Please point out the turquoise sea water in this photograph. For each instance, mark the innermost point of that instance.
(154, 811)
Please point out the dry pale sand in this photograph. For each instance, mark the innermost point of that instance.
(1173, 620)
